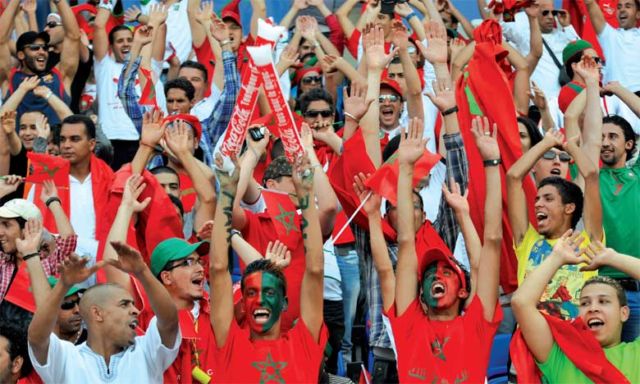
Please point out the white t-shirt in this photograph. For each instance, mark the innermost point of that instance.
(202, 109)
(143, 362)
(621, 50)
(178, 31)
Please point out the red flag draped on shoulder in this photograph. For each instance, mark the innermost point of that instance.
(483, 90)
(19, 292)
(148, 94)
(45, 167)
(284, 215)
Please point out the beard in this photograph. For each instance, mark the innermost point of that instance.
(32, 65)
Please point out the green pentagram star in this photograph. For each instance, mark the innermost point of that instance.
(270, 370)
(286, 218)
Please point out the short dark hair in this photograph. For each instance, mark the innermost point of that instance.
(532, 129)
(183, 84)
(606, 280)
(277, 148)
(21, 222)
(163, 169)
(116, 29)
(569, 192)
(628, 132)
(16, 336)
(196, 65)
(314, 94)
(265, 266)
(89, 125)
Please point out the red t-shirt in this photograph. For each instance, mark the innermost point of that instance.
(258, 232)
(459, 349)
(293, 358)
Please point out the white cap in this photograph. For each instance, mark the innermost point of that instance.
(20, 208)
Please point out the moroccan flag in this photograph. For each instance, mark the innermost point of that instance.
(148, 95)
(284, 215)
(19, 292)
(385, 181)
(45, 167)
(484, 90)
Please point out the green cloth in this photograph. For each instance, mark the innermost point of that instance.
(620, 195)
(559, 369)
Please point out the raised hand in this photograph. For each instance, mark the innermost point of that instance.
(399, 35)
(437, 41)
(129, 259)
(8, 120)
(612, 88)
(205, 230)
(219, 30)
(597, 256)
(29, 83)
(588, 69)
(306, 137)
(132, 13)
(402, 9)
(205, 13)
(553, 138)
(445, 96)
(485, 139)
(533, 10)
(567, 249)
(289, 57)
(29, 6)
(412, 144)
(132, 191)
(228, 182)
(372, 205)
(73, 269)
(258, 147)
(42, 126)
(329, 63)
(9, 184)
(32, 238)
(572, 144)
(158, 14)
(143, 35)
(178, 139)
(309, 27)
(355, 101)
(300, 4)
(373, 43)
(152, 128)
(278, 253)
(539, 99)
(49, 191)
(302, 175)
(564, 18)
(315, 3)
(457, 45)
(457, 201)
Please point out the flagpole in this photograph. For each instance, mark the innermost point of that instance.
(353, 215)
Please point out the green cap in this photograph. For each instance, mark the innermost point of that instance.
(73, 290)
(574, 47)
(170, 250)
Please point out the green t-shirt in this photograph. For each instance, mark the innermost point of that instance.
(620, 195)
(559, 369)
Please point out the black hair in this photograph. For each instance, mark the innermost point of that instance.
(16, 335)
(573, 60)
(628, 132)
(163, 169)
(116, 29)
(89, 125)
(606, 280)
(265, 266)
(388, 205)
(532, 129)
(198, 66)
(183, 84)
(569, 192)
(277, 148)
(21, 222)
(178, 203)
(314, 94)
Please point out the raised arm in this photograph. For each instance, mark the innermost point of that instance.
(356, 106)
(152, 131)
(629, 98)
(466, 24)
(535, 39)
(258, 11)
(595, 14)
(412, 146)
(413, 93)
(311, 297)
(49, 197)
(6, 26)
(100, 37)
(342, 14)
(8, 121)
(296, 7)
(524, 302)
(598, 256)
(70, 55)
(521, 83)
(540, 100)
(30, 246)
(592, 123)
(13, 102)
(198, 31)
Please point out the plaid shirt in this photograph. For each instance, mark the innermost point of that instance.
(64, 247)
(127, 93)
(446, 226)
(214, 127)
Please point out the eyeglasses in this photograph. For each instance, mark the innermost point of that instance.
(595, 59)
(67, 305)
(324, 113)
(53, 24)
(311, 79)
(562, 156)
(37, 47)
(188, 262)
(554, 12)
(391, 98)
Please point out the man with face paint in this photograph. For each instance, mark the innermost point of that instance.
(566, 352)
(260, 352)
(441, 345)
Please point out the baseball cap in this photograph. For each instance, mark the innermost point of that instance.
(22, 208)
(391, 84)
(189, 119)
(173, 249)
(232, 11)
(30, 38)
(435, 254)
(573, 48)
(73, 290)
(278, 167)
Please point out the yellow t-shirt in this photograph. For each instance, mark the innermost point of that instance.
(562, 294)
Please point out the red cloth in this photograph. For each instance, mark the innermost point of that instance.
(581, 20)
(336, 34)
(148, 95)
(91, 9)
(205, 56)
(19, 292)
(31, 378)
(46, 167)
(491, 97)
(295, 357)
(452, 351)
(284, 215)
(187, 192)
(577, 342)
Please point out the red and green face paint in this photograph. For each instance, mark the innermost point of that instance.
(440, 285)
(264, 300)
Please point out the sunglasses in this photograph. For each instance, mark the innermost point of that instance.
(324, 113)
(391, 98)
(562, 156)
(595, 59)
(53, 24)
(37, 47)
(555, 12)
(312, 79)
(188, 262)
(67, 305)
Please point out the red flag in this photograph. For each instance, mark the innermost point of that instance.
(365, 376)
(385, 181)
(45, 167)
(148, 95)
(284, 215)
(19, 292)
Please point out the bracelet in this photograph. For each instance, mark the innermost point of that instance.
(27, 257)
(492, 163)
(451, 110)
(235, 232)
(351, 116)
(46, 98)
(138, 17)
(412, 14)
(52, 200)
(147, 145)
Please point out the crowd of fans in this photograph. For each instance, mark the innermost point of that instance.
(379, 190)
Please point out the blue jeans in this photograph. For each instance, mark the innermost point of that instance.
(349, 266)
(631, 328)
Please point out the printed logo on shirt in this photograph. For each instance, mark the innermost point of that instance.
(270, 370)
(437, 348)
(418, 373)
(286, 218)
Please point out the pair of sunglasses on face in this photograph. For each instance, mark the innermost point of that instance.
(391, 98)
(312, 79)
(554, 12)
(562, 156)
(53, 24)
(37, 47)
(313, 114)
(67, 305)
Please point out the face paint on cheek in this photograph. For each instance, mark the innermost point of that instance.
(427, 282)
(264, 306)
(440, 295)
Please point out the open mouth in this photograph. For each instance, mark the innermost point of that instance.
(387, 112)
(555, 171)
(133, 324)
(41, 60)
(437, 290)
(261, 315)
(595, 324)
(198, 281)
(541, 217)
